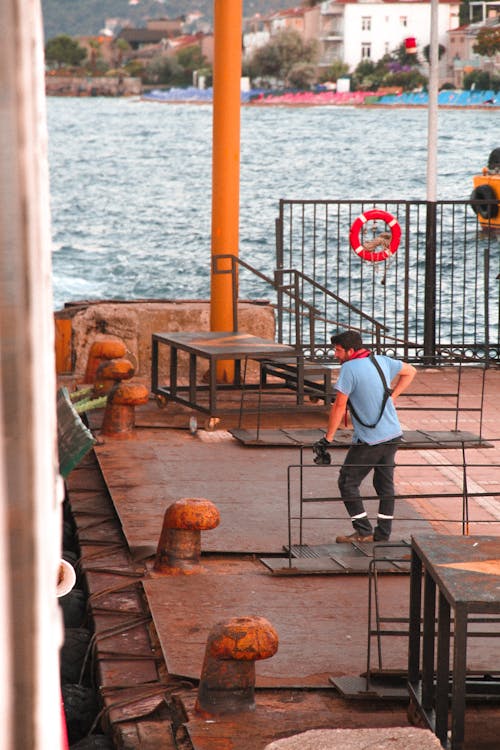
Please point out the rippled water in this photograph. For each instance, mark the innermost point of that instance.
(131, 182)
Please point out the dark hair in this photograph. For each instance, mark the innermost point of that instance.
(348, 340)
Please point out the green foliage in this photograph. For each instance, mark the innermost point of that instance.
(388, 71)
(276, 59)
(404, 57)
(165, 71)
(427, 51)
(190, 59)
(463, 13)
(369, 75)
(481, 80)
(333, 72)
(208, 75)
(178, 70)
(62, 50)
(135, 69)
(302, 75)
(122, 47)
(488, 41)
(408, 80)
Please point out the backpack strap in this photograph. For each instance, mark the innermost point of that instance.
(387, 393)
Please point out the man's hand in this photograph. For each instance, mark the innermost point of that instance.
(322, 444)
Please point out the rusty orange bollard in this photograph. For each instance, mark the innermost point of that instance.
(119, 414)
(110, 372)
(227, 683)
(100, 351)
(179, 547)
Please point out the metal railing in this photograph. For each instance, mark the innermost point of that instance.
(297, 316)
(436, 299)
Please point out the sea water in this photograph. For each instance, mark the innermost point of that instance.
(130, 182)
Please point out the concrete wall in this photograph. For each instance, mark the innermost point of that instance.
(135, 322)
(92, 86)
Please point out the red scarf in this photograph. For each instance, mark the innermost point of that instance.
(359, 354)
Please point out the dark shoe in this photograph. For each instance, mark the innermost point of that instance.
(356, 537)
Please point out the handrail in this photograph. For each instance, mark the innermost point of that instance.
(303, 308)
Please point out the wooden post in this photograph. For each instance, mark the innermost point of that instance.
(64, 354)
(30, 496)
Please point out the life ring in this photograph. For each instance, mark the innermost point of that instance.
(390, 246)
(484, 193)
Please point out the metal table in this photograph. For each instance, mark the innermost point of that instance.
(213, 346)
(465, 571)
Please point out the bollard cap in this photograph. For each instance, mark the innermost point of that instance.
(129, 394)
(102, 349)
(115, 369)
(192, 514)
(244, 639)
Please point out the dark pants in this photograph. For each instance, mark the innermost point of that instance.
(360, 460)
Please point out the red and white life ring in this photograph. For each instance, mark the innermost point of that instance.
(360, 249)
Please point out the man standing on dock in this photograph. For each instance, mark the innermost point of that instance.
(364, 386)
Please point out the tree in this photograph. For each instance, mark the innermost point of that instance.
(369, 75)
(95, 53)
(135, 69)
(62, 50)
(487, 41)
(190, 59)
(336, 70)
(302, 75)
(477, 79)
(165, 71)
(404, 57)
(409, 80)
(178, 70)
(284, 50)
(427, 51)
(121, 46)
(464, 13)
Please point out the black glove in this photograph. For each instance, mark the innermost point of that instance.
(321, 455)
(322, 444)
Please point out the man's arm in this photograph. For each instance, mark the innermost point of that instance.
(404, 378)
(337, 411)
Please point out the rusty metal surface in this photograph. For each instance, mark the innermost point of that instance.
(223, 344)
(146, 476)
(321, 623)
(281, 714)
(468, 569)
(249, 488)
(321, 620)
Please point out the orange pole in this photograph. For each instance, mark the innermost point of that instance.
(225, 163)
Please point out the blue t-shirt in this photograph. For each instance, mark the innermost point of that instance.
(360, 381)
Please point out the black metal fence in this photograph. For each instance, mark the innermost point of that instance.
(436, 298)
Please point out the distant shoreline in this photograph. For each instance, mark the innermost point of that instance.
(114, 87)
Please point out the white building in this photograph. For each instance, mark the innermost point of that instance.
(352, 31)
(462, 58)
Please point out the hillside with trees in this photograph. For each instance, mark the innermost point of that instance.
(75, 17)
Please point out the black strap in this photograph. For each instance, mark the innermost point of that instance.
(387, 393)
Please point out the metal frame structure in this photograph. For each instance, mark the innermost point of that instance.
(298, 492)
(444, 569)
